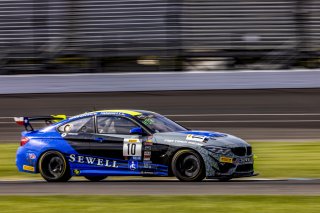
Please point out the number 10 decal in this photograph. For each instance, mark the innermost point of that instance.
(132, 147)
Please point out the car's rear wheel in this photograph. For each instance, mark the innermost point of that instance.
(95, 178)
(53, 167)
(187, 165)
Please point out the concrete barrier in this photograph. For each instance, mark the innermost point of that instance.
(110, 82)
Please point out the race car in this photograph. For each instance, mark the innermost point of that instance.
(128, 143)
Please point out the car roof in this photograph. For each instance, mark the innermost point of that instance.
(122, 111)
(126, 112)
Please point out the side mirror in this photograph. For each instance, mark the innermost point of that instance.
(137, 131)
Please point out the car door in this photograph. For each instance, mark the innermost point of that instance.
(113, 139)
(79, 134)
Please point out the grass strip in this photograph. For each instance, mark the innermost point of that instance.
(154, 204)
(287, 159)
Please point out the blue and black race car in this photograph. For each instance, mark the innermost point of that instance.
(128, 143)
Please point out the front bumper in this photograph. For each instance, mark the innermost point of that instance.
(236, 167)
(235, 175)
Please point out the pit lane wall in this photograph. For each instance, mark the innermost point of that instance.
(161, 81)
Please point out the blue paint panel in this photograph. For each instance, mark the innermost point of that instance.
(86, 164)
(53, 141)
(205, 133)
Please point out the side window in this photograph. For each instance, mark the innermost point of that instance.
(115, 125)
(83, 125)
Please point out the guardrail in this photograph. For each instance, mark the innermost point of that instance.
(113, 82)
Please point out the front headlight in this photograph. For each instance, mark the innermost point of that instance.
(218, 150)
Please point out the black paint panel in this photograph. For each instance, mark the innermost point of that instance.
(107, 146)
(80, 142)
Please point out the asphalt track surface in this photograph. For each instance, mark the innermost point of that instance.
(274, 114)
(161, 187)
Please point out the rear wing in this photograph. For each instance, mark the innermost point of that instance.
(48, 120)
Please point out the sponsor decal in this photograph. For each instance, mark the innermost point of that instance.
(147, 172)
(180, 141)
(133, 165)
(31, 156)
(226, 160)
(148, 121)
(147, 165)
(120, 112)
(146, 157)
(148, 143)
(82, 115)
(93, 161)
(76, 172)
(99, 113)
(197, 138)
(245, 160)
(147, 153)
(28, 168)
(131, 140)
(136, 158)
(147, 148)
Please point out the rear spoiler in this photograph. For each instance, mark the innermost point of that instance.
(25, 121)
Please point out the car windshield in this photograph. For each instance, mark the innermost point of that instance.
(159, 123)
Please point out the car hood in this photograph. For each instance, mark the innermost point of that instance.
(200, 138)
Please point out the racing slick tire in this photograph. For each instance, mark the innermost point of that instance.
(53, 167)
(95, 178)
(187, 165)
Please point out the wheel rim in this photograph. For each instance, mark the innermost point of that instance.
(188, 166)
(55, 166)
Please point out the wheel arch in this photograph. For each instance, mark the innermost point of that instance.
(42, 153)
(170, 172)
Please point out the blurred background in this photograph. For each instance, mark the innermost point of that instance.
(161, 36)
(248, 68)
(67, 36)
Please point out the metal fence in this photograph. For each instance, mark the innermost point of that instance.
(51, 36)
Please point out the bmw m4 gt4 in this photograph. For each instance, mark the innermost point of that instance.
(128, 143)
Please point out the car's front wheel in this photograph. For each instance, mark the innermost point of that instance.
(95, 178)
(187, 165)
(53, 167)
